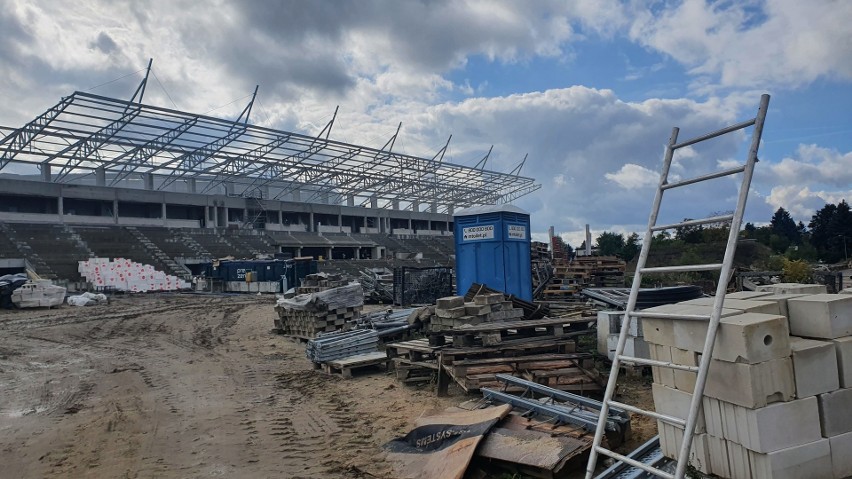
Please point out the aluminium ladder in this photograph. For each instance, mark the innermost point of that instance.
(687, 424)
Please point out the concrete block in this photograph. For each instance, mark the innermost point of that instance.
(782, 299)
(767, 429)
(661, 331)
(457, 312)
(843, 349)
(747, 294)
(835, 412)
(751, 385)
(685, 380)
(449, 302)
(841, 454)
(718, 456)
(473, 309)
(797, 462)
(664, 376)
(489, 298)
(636, 347)
(814, 366)
(826, 316)
(744, 305)
(738, 461)
(846, 291)
(748, 337)
(793, 288)
(671, 438)
(675, 403)
(616, 319)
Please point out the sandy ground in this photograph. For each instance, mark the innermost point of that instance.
(194, 386)
(185, 386)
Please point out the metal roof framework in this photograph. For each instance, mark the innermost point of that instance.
(85, 132)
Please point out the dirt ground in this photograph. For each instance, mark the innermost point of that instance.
(187, 386)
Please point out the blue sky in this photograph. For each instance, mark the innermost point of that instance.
(590, 89)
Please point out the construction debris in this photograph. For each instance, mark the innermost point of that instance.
(421, 285)
(307, 315)
(378, 285)
(38, 293)
(442, 445)
(572, 277)
(87, 299)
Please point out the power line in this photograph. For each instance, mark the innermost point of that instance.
(115, 80)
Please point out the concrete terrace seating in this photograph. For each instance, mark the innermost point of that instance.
(218, 245)
(54, 246)
(168, 243)
(116, 242)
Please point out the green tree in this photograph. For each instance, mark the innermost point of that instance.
(782, 224)
(689, 234)
(631, 247)
(609, 244)
(831, 231)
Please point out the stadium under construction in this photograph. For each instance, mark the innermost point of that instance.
(95, 176)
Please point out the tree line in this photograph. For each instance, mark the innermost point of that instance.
(827, 237)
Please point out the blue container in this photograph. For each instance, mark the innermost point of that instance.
(493, 248)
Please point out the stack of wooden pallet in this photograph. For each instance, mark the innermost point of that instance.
(539, 251)
(565, 372)
(304, 316)
(570, 278)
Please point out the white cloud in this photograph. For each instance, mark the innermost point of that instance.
(776, 42)
(632, 176)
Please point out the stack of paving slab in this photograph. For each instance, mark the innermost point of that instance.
(307, 315)
(453, 312)
(125, 275)
(778, 397)
(609, 328)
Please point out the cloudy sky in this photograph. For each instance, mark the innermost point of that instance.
(590, 89)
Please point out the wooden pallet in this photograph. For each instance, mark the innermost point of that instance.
(345, 366)
(494, 333)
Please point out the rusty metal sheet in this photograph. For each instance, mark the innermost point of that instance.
(443, 444)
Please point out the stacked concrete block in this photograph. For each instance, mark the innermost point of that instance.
(126, 275)
(775, 405)
(754, 305)
(747, 294)
(814, 366)
(794, 288)
(453, 312)
(826, 316)
(609, 329)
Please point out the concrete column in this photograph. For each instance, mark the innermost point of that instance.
(100, 176)
(450, 210)
(163, 212)
(280, 216)
(357, 252)
(61, 205)
(339, 220)
(328, 252)
(148, 179)
(190, 185)
(433, 207)
(45, 172)
(350, 200)
(296, 195)
(429, 225)
(229, 188)
(409, 223)
(115, 210)
(415, 205)
(395, 204)
(374, 202)
(377, 224)
(298, 251)
(311, 227)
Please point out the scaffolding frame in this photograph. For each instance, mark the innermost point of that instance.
(118, 140)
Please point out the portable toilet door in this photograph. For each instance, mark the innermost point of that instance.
(493, 248)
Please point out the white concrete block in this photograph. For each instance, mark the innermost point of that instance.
(685, 380)
(671, 438)
(744, 305)
(662, 331)
(718, 456)
(826, 316)
(794, 288)
(812, 460)
(664, 376)
(747, 294)
(603, 332)
(841, 455)
(781, 299)
(814, 366)
(751, 385)
(738, 461)
(675, 403)
(846, 291)
(616, 319)
(843, 348)
(835, 412)
(748, 338)
(636, 347)
(767, 429)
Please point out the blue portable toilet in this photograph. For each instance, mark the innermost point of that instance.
(493, 248)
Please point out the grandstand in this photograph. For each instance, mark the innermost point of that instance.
(99, 176)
